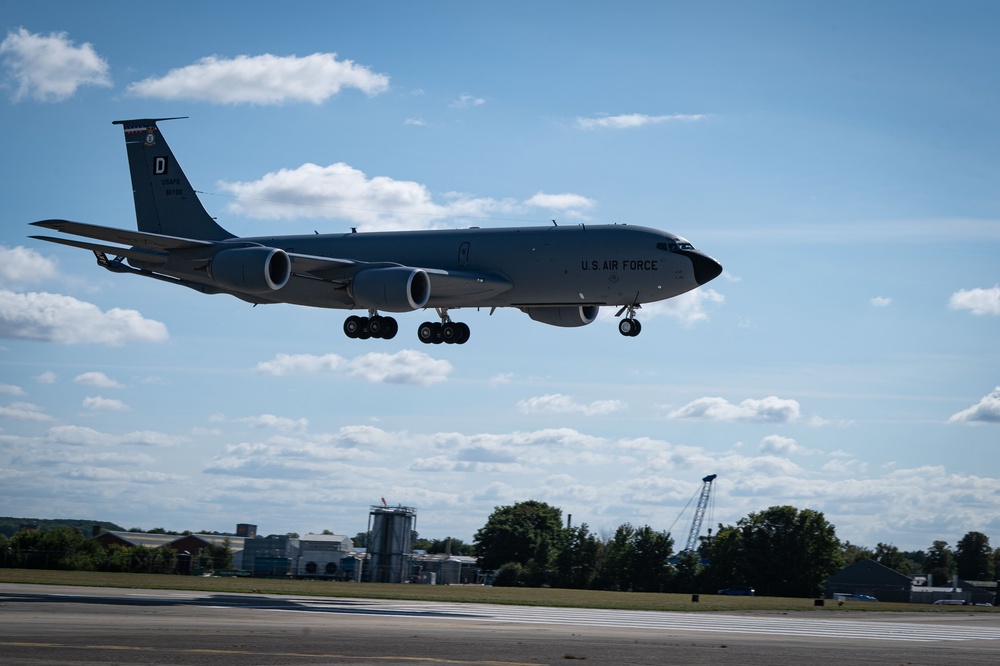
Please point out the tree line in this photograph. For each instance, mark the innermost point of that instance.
(780, 551)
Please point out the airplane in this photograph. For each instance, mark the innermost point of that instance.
(557, 275)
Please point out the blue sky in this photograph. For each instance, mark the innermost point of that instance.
(839, 159)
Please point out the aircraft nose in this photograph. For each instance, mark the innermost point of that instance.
(706, 268)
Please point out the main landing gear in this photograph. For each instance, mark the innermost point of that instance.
(374, 326)
(448, 331)
(629, 326)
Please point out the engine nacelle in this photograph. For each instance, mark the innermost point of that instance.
(397, 289)
(254, 270)
(567, 317)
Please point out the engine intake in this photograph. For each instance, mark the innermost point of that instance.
(565, 316)
(254, 270)
(397, 289)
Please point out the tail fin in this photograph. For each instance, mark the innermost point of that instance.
(165, 202)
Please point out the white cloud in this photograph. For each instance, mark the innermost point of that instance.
(778, 445)
(404, 367)
(21, 264)
(104, 404)
(96, 379)
(64, 319)
(555, 403)
(272, 421)
(341, 191)
(767, 410)
(51, 68)
(47, 377)
(24, 411)
(979, 301)
(299, 364)
(415, 122)
(263, 79)
(690, 308)
(880, 301)
(467, 101)
(986, 410)
(573, 205)
(11, 389)
(630, 120)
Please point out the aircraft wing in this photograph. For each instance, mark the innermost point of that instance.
(148, 256)
(134, 238)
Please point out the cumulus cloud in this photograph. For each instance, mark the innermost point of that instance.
(767, 410)
(403, 367)
(300, 364)
(986, 410)
(24, 411)
(21, 264)
(572, 205)
(47, 377)
(631, 120)
(778, 445)
(979, 301)
(880, 301)
(263, 79)
(104, 404)
(556, 403)
(11, 389)
(50, 68)
(690, 308)
(96, 379)
(339, 190)
(55, 318)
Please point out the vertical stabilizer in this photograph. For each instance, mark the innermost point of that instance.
(165, 202)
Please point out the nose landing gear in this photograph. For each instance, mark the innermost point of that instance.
(629, 326)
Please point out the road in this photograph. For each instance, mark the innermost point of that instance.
(42, 624)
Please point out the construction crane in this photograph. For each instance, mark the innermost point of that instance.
(699, 513)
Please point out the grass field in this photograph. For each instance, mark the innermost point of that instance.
(461, 593)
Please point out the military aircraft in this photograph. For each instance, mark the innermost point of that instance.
(558, 275)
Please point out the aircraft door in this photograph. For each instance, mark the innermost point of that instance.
(463, 255)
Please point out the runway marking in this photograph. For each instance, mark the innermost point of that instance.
(814, 627)
(258, 653)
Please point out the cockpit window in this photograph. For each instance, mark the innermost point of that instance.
(674, 246)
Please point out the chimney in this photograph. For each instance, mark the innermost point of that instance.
(95, 530)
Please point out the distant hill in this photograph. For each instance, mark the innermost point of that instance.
(10, 526)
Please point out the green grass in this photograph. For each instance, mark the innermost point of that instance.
(458, 593)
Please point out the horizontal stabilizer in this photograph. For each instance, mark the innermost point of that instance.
(123, 236)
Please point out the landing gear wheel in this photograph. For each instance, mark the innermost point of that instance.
(352, 326)
(449, 333)
(376, 326)
(389, 328)
(437, 333)
(629, 327)
(463, 333)
(426, 332)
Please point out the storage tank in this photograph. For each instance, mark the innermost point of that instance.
(390, 531)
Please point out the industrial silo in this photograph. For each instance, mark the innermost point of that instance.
(390, 531)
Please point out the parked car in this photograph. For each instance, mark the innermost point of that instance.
(739, 591)
(860, 597)
(949, 602)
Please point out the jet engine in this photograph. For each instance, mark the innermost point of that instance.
(254, 270)
(567, 317)
(397, 289)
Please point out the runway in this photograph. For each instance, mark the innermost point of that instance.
(77, 625)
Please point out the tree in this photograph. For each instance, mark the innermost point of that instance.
(637, 559)
(889, 556)
(939, 562)
(528, 533)
(781, 551)
(974, 557)
(853, 553)
(580, 555)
